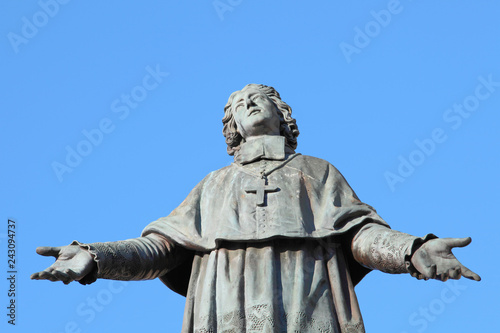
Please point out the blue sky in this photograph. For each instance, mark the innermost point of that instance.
(111, 114)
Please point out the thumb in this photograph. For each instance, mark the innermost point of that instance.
(458, 242)
(48, 251)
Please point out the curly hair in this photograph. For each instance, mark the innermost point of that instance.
(288, 126)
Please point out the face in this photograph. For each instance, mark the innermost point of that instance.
(255, 114)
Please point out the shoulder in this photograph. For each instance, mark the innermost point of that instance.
(311, 160)
(324, 173)
(222, 171)
(219, 174)
(314, 167)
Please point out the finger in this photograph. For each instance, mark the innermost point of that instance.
(65, 278)
(44, 275)
(39, 275)
(433, 271)
(430, 272)
(48, 251)
(458, 242)
(455, 273)
(443, 276)
(467, 273)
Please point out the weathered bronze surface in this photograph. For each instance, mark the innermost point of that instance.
(274, 242)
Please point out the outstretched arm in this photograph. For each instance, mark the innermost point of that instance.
(378, 247)
(134, 259)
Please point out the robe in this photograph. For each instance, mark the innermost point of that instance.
(284, 265)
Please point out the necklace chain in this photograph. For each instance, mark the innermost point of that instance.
(263, 173)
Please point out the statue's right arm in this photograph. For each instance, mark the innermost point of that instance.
(140, 258)
(378, 247)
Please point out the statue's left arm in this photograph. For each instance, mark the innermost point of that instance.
(378, 247)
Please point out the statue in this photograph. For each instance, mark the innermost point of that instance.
(274, 242)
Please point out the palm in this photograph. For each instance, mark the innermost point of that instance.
(435, 260)
(72, 263)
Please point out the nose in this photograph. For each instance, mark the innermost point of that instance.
(249, 102)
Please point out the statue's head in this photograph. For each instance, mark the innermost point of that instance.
(276, 116)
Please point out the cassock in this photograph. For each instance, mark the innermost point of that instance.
(274, 242)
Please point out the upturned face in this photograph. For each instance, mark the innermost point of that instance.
(255, 114)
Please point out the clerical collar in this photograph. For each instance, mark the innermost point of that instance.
(271, 147)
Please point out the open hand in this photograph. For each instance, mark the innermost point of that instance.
(72, 263)
(434, 260)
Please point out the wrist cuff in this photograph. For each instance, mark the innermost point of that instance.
(92, 276)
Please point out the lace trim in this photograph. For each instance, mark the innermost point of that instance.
(261, 318)
(92, 276)
(388, 251)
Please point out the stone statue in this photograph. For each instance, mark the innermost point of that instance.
(274, 242)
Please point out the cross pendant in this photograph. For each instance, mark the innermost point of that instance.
(261, 192)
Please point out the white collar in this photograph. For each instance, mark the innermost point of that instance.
(271, 147)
